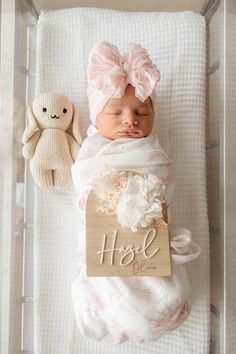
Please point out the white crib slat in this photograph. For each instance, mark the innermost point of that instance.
(27, 299)
(7, 177)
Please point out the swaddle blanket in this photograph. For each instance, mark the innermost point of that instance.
(139, 155)
(176, 41)
(116, 308)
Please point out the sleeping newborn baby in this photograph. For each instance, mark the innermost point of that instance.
(122, 102)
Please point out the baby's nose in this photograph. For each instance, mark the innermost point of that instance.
(130, 119)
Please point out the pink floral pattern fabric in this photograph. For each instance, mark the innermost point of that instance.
(140, 309)
(109, 73)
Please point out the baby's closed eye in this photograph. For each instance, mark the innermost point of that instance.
(142, 113)
(114, 113)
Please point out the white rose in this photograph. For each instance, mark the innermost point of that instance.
(141, 202)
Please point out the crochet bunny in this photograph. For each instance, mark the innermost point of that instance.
(47, 142)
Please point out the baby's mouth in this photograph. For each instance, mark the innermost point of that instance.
(130, 132)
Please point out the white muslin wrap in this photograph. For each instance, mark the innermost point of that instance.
(138, 155)
(122, 308)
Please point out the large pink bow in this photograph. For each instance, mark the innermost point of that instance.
(110, 72)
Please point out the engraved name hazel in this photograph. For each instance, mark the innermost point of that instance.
(127, 254)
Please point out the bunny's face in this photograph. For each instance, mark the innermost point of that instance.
(52, 111)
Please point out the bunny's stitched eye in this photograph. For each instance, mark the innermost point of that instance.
(64, 110)
(44, 109)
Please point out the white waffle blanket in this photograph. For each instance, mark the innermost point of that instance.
(176, 43)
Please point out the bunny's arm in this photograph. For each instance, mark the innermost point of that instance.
(29, 147)
(73, 146)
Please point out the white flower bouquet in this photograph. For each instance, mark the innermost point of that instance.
(135, 199)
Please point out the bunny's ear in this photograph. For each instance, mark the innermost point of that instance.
(31, 127)
(75, 126)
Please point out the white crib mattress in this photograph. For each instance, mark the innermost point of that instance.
(177, 44)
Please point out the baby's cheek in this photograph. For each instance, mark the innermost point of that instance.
(114, 123)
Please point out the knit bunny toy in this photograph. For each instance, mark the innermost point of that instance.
(47, 141)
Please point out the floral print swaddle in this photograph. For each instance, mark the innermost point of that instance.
(130, 308)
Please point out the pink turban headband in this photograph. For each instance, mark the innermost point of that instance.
(109, 73)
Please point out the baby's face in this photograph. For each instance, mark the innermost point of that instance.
(126, 117)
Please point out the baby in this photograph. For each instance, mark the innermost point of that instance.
(122, 102)
(126, 117)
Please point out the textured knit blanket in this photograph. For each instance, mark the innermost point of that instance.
(176, 42)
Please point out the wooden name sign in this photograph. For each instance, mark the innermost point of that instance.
(112, 250)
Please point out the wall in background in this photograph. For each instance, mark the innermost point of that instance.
(131, 5)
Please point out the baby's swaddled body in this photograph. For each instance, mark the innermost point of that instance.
(122, 104)
(122, 308)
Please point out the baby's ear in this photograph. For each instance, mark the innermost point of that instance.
(31, 125)
(75, 125)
